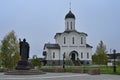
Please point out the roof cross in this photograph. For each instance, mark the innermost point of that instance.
(70, 6)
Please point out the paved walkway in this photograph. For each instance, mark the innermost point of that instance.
(59, 76)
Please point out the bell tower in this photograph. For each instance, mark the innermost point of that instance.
(70, 21)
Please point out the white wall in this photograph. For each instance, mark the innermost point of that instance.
(68, 36)
(50, 54)
(68, 26)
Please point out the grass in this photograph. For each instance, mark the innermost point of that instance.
(1, 70)
(103, 69)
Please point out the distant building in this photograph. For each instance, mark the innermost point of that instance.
(71, 43)
(111, 57)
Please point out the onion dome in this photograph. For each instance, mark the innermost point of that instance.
(70, 15)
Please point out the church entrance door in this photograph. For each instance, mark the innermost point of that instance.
(73, 55)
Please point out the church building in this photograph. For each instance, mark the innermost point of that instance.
(69, 45)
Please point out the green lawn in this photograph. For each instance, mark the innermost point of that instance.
(103, 69)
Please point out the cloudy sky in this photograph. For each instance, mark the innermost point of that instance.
(39, 20)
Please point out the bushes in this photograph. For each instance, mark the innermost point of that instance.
(36, 62)
(1, 70)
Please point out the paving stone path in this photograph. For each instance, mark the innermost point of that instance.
(59, 76)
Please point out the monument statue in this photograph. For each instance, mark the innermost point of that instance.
(23, 64)
(24, 50)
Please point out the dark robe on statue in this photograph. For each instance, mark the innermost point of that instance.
(24, 50)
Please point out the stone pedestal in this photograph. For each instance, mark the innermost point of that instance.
(24, 72)
(23, 65)
(23, 68)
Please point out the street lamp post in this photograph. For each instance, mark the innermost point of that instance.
(63, 61)
(114, 64)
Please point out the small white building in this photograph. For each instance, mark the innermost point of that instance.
(70, 43)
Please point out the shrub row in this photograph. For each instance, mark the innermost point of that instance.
(1, 70)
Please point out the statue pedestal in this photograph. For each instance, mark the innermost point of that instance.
(24, 72)
(23, 68)
(23, 65)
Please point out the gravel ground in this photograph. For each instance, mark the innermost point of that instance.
(59, 76)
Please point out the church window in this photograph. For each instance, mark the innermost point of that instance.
(87, 55)
(73, 40)
(67, 25)
(81, 40)
(81, 55)
(64, 40)
(71, 25)
(53, 54)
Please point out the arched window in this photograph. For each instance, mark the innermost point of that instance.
(71, 25)
(81, 55)
(53, 54)
(81, 40)
(64, 55)
(64, 40)
(73, 40)
(67, 25)
(87, 55)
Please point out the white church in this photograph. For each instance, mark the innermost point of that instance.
(70, 45)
